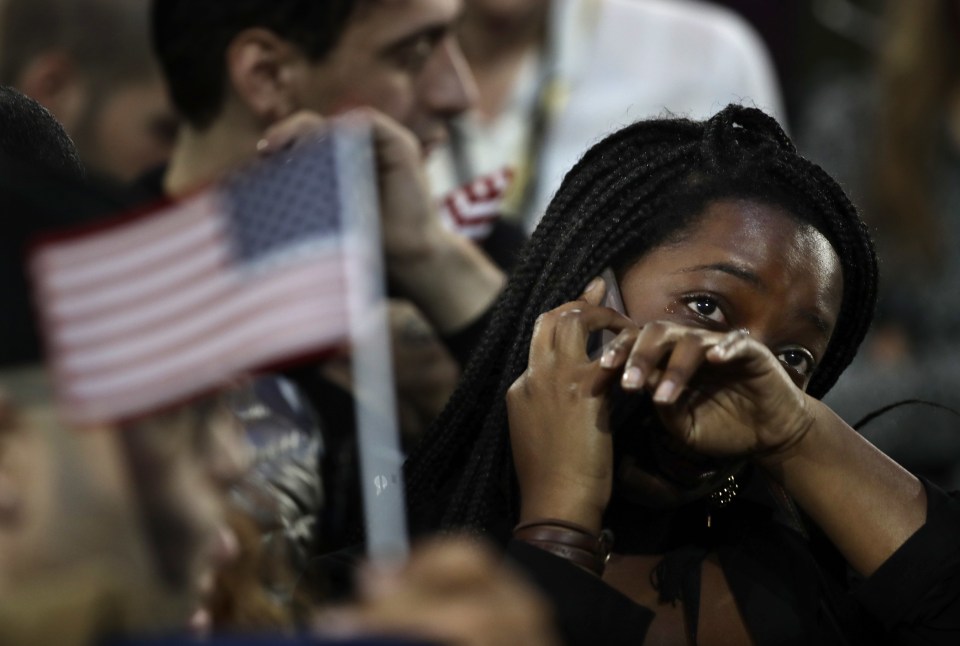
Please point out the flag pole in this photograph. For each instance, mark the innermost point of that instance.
(381, 458)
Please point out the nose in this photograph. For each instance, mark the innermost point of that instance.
(447, 84)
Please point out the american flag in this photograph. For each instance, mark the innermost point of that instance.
(150, 311)
(474, 208)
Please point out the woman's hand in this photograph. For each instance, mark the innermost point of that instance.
(720, 394)
(559, 418)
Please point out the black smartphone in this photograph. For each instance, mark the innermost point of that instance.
(614, 301)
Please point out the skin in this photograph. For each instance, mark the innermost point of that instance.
(451, 591)
(743, 354)
(54, 480)
(410, 65)
(122, 127)
(129, 131)
(398, 60)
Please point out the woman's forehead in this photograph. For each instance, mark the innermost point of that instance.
(780, 261)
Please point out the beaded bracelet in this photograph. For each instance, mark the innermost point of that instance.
(569, 541)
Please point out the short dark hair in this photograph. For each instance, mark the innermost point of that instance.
(627, 195)
(30, 135)
(190, 38)
(42, 189)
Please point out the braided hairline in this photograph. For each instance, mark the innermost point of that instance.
(614, 200)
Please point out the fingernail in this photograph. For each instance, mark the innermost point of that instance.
(263, 145)
(632, 378)
(718, 351)
(594, 284)
(665, 392)
(606, 361)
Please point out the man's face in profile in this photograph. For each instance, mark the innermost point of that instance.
(401, 58)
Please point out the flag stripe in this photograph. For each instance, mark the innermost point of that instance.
(244, 275)
(237, 301)
(73, 277)
(139, 234)
(120, 295)
(286, 337)
(316, 321)
(179, 302)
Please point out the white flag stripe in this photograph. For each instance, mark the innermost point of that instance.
(195, 268)
(136, 260)
(122, 294)
(256, 293)
(288, 343)
(466, 210)
(327, 316)
(142, 232)
(127, 320)
(475, 230)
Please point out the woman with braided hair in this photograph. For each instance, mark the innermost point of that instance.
(744, 510)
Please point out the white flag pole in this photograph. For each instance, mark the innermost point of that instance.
(381, 459)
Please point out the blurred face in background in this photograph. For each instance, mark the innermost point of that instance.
(125, 130)
(133, 516)
(69, 526)
(402, 59)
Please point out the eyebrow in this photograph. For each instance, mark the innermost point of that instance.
(749, 277)
(434, 32)
(735, 271)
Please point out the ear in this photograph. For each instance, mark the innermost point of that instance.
(54, 81)
(262, 69)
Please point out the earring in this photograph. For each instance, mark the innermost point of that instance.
(722, 496)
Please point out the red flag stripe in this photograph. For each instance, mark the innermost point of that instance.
(233, 306)
(140, 234)
(278, 339)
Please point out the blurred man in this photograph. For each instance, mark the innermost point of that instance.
(117, 529)
(254, 75)
(89, 62)
(111, 531)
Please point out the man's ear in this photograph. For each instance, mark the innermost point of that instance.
(262, 69)
(54, 81)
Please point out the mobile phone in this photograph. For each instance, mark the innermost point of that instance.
(614, 301)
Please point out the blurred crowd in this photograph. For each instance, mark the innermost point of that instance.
(237, 513)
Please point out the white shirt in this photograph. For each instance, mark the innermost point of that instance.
(618, 61)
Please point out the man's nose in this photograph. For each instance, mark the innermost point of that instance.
(447, 84)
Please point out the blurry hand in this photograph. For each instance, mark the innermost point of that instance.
(424, 371)
(446, 275)
(451, 591)
(409, 224)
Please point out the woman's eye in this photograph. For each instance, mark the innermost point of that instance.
(707, 308)
(798, 360)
